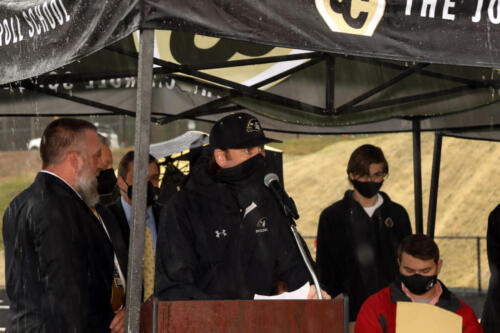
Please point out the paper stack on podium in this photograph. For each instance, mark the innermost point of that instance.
(300, 293)
(418, 317)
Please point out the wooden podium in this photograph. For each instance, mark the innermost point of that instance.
(245, 316)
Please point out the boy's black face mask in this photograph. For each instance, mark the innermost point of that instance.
(366, 189)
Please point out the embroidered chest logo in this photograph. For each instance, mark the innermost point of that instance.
(261, 225)
(221, 233)
(253, 126)
(357, 17)
(389, 223)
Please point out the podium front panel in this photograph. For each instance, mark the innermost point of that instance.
(245, 316)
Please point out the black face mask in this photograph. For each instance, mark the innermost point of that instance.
(366, 189)
(106, 181)
(152, 196)
(418, 284)
(243, 172)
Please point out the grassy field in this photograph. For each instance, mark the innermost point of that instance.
(315, 176)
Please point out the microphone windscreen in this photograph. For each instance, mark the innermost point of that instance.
(270, 177)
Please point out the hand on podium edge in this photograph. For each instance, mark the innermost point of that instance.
(118, 323)
(312, 293)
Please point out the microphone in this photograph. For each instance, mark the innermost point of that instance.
(272, 181)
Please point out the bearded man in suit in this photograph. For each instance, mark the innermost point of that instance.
(59, 261)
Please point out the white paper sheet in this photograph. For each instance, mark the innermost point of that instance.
(300, 293)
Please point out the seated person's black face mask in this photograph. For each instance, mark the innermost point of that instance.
(106, 181)
(418, 284)
(152, 196)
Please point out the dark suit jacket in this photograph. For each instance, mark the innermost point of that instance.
(122, 230)
(491, 313)
(59, 262)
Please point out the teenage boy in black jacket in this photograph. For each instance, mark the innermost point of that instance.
(358, 236)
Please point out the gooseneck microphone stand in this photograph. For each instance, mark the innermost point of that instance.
(271, 180)
(298, 240)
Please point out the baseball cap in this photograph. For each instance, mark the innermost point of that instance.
(238, 130)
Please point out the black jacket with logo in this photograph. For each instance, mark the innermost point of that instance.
(210, 248)
(357, 255)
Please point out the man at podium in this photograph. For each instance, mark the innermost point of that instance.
(224, 236)
(419, 266)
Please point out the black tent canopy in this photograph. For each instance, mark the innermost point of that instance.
(61, 31)
(379, 66)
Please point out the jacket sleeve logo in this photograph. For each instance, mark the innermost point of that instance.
(358, 17)
(221, 233)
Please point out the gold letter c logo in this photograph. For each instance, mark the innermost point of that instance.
(358, 17)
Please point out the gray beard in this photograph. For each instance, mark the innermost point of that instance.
(87, 188)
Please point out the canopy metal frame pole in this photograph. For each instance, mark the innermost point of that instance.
(433, 194)
(417, 176)
(142, 137)
(233, 88)
(401, 76)
(423, 72)
(330, 85)
(232, 63)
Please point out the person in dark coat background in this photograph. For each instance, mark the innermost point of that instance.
(59, 261)
(358, 236)
(490, 320)
(223, 235)
(121, 209)
(106, 180)
(107, 189)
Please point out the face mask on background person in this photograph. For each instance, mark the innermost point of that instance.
(152, 193)
(367, 189)
(418, 284)
(106, 181)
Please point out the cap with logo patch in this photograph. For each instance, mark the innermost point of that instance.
(238, 130)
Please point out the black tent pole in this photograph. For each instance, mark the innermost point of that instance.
(142, 133)
(417, 175)
(436, 165)
(330, 84)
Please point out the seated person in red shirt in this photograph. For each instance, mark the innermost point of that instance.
(419, 266)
